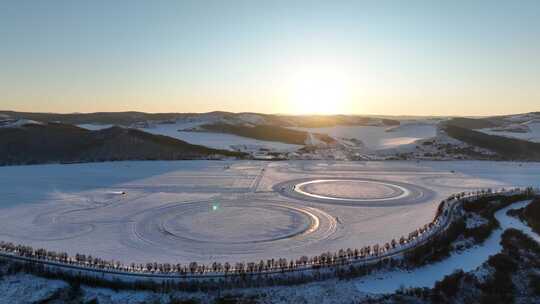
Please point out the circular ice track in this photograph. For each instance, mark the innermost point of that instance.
(229, 227)
(229, 223)
(355, 191)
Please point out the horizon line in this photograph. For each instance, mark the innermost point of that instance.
(276, 113)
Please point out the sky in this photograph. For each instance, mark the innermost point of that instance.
(295, 57)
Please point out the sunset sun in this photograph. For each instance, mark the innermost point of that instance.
(319, 91)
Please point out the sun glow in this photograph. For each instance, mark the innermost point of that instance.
(319, 91)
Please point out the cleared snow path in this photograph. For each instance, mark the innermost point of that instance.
(470, 259)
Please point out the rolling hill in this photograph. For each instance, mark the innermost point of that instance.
(506, 147)
(55, 142)
(265, 132)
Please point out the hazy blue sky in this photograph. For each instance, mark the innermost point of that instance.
(379, 57)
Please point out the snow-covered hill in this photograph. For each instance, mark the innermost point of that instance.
(345, 136)
(527, 128)
(180, 131)
(379, 137)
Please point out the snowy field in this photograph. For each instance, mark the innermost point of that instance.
(205, 211)
(208, 139)
(378, 138)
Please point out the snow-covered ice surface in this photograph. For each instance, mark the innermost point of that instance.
(205, 211)
(377, 138)
(467, 260)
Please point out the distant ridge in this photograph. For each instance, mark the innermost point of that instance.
(132, 117)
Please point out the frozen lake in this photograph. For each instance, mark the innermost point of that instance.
(205, 211)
